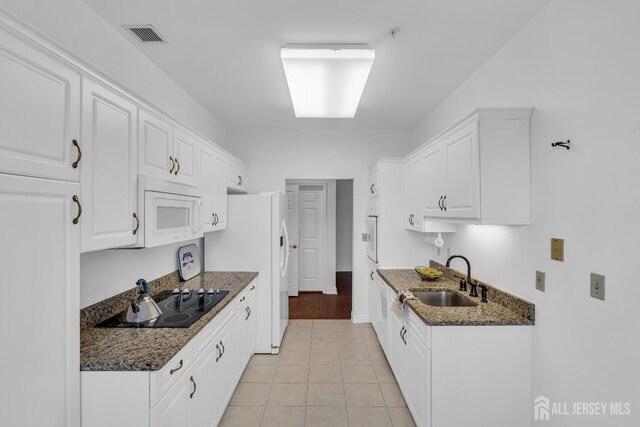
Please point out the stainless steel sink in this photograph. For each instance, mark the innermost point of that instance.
(443, 298)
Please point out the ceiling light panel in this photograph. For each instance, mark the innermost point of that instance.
(326, 82)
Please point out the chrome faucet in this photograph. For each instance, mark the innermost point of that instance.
(463, 282)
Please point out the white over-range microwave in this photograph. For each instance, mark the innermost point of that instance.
(169, 212)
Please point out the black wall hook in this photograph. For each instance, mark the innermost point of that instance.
(564, 144)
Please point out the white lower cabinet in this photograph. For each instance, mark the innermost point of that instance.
(192, 390)
(487, 369)
(40, 252)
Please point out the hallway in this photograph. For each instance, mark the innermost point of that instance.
(316, 305)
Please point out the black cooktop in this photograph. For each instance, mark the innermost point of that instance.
(178, 310)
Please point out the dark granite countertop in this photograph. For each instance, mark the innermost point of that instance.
(502, 309)
(148, 349)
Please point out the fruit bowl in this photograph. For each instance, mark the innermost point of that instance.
(428, 273)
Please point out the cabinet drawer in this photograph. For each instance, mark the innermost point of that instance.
(202, 339)
(162, 380)
(419, 328)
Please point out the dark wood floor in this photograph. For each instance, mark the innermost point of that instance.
(317, 305)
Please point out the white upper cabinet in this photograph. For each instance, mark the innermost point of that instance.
(236, 176)
(414, 192)
(211, 179)
(374, 181)
(108, 171)
(39, 113)
(155, 146)
(478, 171)
(185, 149)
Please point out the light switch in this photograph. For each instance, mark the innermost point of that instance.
(597, 286)
(365, 237)
(557, 249)
(540, 280)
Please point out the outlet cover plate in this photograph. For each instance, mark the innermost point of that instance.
(557, 249)
(597, 286)
(540, 280)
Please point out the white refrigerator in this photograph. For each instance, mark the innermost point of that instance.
(256, 239)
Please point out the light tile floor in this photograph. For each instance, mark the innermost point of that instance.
(329, 373)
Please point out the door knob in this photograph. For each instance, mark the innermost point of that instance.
(294, 246)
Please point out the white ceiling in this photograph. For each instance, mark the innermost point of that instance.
(226, 53)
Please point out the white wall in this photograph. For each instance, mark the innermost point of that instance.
(107, 273)
(74, 26)
(577, 63)
(344, 224)
(277, 154)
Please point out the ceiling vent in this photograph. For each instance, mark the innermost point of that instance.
(145, 33)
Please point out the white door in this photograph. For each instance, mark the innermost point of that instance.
(430, 184)
(462, 174)
(40, 252)
(39, 113)
(293, 213)
(155, 146)
(311, 238)
(109, 172)
(185, 149)
(219, 191)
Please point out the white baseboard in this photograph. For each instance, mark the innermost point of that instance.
(331, 291)
(344, 268)
(360, 318)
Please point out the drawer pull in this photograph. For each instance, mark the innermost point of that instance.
(177, 170)
(77, 200)
(195, 387)
(135, 230)
(253, 287)
(239, 180)
(176, 369)
(77, 162)
(222, 345)
(173, 164)
(371, 275)
(242, 299)
(219, 355)
(248, 313)
(371, 189)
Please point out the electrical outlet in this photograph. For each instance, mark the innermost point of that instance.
(365, 237)
(557, 249)
(540, 280)
(597, 286)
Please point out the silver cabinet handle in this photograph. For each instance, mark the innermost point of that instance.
(248, 313)
(177, 170)
(371, 275)
(195, 387)
(444, 202)
(173, 164)
(371, 188)
(222, 346)
(440, 203)
(219, 353)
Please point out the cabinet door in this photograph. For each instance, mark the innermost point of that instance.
(398, 350)
(232, 173)
(155, 146)
(204, 376)
(176, 407)
(243, 177)
(185, 149)
(251, 329)
(39, 113)
(462, 173)
(430, 183)
(206, 182)
(225, 373)
(417, 388)
(374, 182)
(108, 170)
(413, 211)
(41, 353)
(219, 194)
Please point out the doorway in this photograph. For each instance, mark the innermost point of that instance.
(320, 219)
